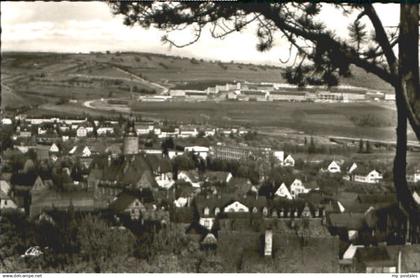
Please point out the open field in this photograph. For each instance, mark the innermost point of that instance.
(310, 118)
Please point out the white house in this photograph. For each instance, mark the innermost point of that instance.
(207, 219)
(236, 207)
(371, 177)
(289, 161)
(81, 131)
(105, 130)
(297, 188)
(279, 155)
(282, 191)
(54, 148)
(4, 186)
(334, 167)
(172, 154)
(191, 177)
(6, 202)
(6, 121)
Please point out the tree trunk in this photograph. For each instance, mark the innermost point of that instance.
(409, 62)
(406, 89)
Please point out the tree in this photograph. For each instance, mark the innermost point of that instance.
(368, 147)
(360, 146)
(98, 242)
(327, 56)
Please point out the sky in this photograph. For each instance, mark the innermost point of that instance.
(90, 26)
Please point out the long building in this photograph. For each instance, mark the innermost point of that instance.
(238, 152)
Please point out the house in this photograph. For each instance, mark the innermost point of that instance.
(187, 132)
(352, 168)
(282, 191)
(110, 175)
(4, 187)
(165, 179)
(236, 206)
(80, 151)
(81, 131)
(190, 176)
(367, 176)
(217, 177)
(414, 177)
(198, 150)
(375, 260)
(45, 197)
(6, 121)
(128, 204)
(6, 202)
(289, 161)
(184, 193)
(279, 155)
(297, 188)
(348, 225)
(208, 208)
(334, 167)
(105, 130)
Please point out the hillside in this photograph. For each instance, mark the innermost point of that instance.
(55, 78)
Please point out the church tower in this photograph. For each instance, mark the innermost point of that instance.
(131, 142)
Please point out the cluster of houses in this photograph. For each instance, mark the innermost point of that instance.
(248, 91)
(142, 186)
(82, 128)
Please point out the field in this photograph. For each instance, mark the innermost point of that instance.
(310, 118)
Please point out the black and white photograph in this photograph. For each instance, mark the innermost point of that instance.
(141, 137)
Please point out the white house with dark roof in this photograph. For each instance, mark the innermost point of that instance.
(282, 191)
(334, 167)
(54, 148)
(289, 161)
(372, 176)
(191, 177)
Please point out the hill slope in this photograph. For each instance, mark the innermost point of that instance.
(54, 77)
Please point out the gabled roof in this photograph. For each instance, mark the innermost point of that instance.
(209, 239)
(123, 201)
(350, 221)
(192, 175)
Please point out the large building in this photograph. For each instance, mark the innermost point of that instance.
(238, 152)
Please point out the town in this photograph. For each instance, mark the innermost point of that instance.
(244, 205)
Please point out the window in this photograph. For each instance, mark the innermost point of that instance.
(254, 210)
(216, 211)
(5, 202)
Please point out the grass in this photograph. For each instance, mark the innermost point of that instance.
(319, 118)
